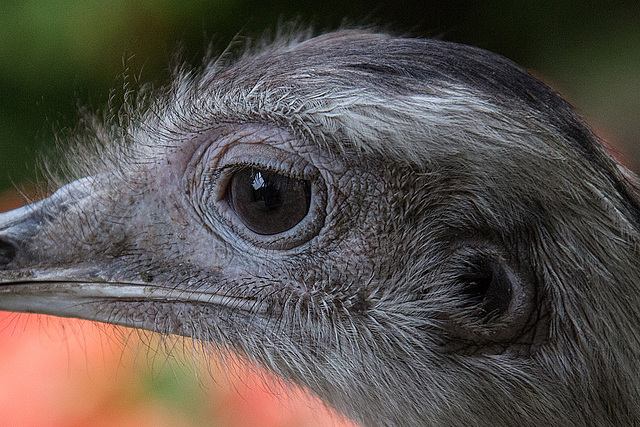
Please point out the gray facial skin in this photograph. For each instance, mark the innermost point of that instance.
(417, 231)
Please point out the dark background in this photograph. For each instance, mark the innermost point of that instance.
(58, 56)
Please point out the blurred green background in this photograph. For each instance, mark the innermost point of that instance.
(58, 56)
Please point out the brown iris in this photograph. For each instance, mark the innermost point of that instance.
(268, 202)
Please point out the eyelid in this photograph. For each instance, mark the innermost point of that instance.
(269, 159)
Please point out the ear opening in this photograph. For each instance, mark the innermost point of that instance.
(496, 299)
(488, 286)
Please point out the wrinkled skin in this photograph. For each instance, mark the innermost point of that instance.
(447, 243)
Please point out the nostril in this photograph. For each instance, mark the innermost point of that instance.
(7, 253)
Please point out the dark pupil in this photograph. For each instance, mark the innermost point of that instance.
(267, 202)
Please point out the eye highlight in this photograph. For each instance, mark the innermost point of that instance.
(268, 202)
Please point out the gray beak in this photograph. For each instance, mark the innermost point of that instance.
(55, 259)
(31, 280)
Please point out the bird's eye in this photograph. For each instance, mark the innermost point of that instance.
(267, 202)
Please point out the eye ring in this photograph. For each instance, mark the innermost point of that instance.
(210, 174)
(221, 188)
